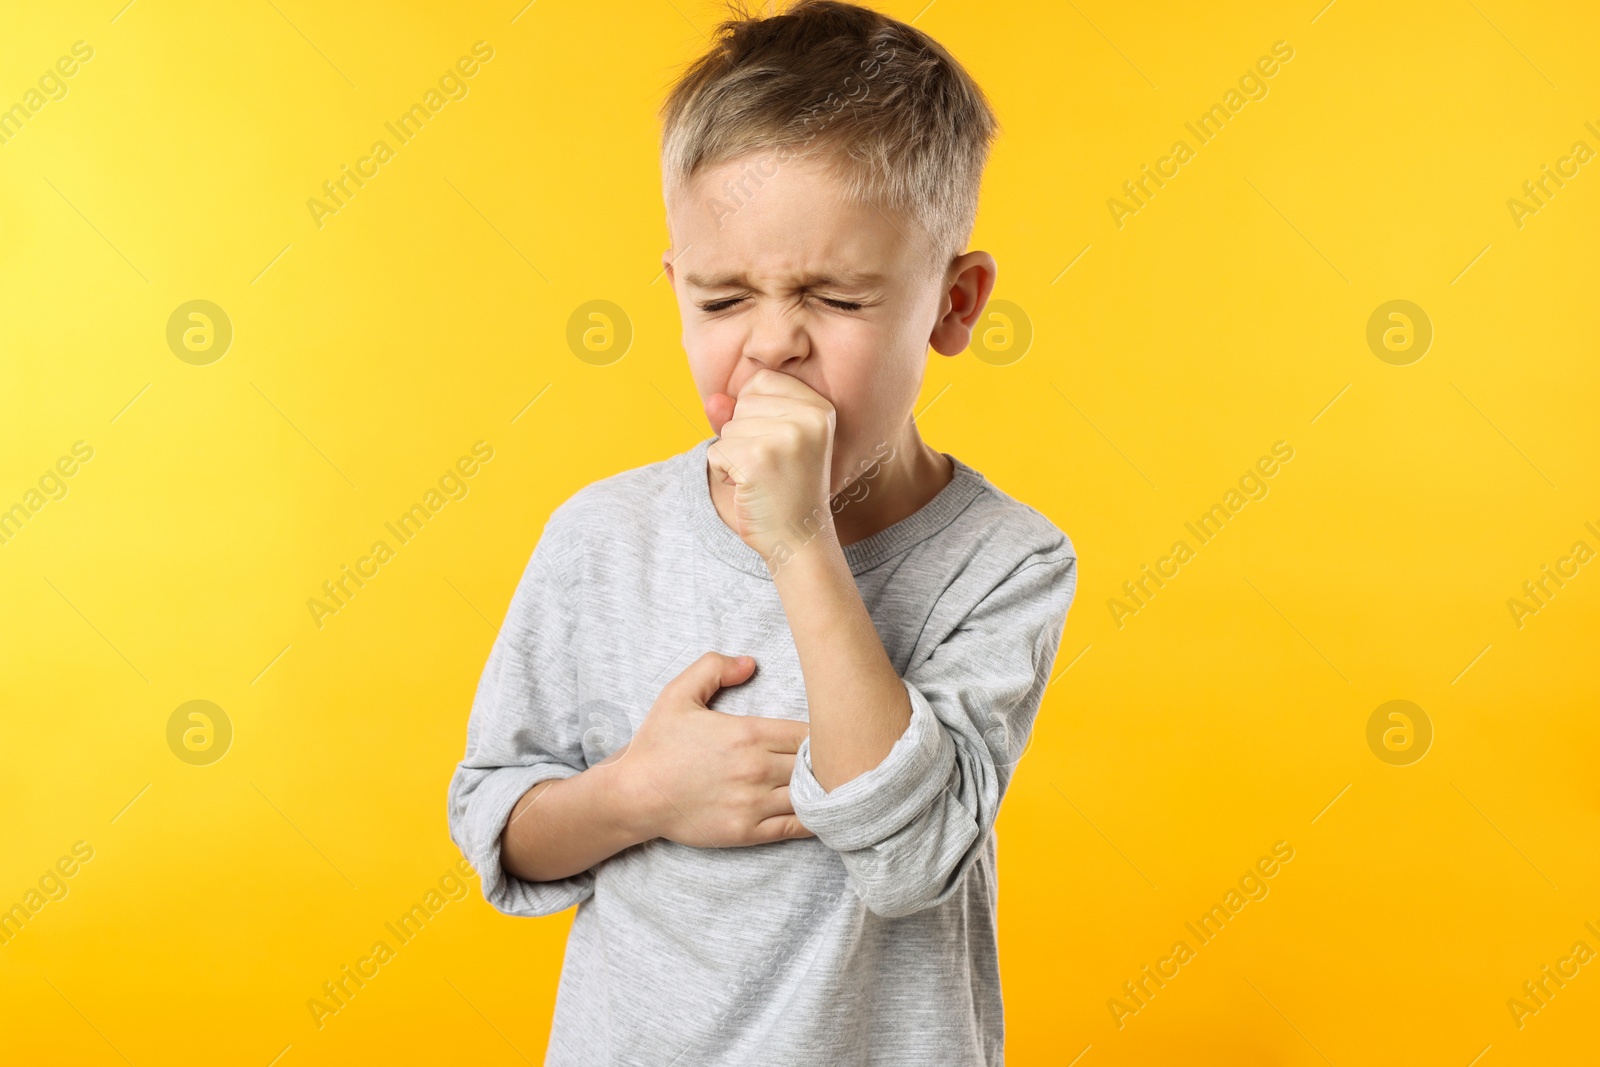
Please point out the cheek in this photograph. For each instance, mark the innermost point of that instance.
(898, 360)
(713, 352)
(852, 365)
(873, 381)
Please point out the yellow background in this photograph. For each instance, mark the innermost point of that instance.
(370, 353)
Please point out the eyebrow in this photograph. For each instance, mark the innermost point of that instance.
(848, 279)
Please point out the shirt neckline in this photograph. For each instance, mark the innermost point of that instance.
(965, 484)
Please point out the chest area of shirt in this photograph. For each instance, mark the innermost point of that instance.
(706, 607)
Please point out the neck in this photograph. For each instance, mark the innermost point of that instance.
(898, 489)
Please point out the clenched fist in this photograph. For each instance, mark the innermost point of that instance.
(775, 447)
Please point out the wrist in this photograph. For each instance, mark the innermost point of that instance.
(629, 806)
(804, 563)
(794, 536)
(805, 546)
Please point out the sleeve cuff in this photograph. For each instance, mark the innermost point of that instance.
(486, 821)
(873, 806)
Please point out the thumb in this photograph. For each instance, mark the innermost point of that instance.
(713, 671)
(719, 409)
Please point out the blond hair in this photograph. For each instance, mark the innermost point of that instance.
(891, 114)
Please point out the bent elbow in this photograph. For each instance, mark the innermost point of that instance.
(896, 898)
(894, 886)
(896, 905)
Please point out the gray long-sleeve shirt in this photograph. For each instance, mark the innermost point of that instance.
(873, 943)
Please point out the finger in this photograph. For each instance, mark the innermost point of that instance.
(775, 386)
(776, 383)
(744, 427)
(719, 409)
(776, 803)
(778, 769)
(780, 735)
(782, 828)
(781, 418)
(720, 461)
(754, 404)
(712, 671)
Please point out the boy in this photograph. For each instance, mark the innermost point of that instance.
(755, 706)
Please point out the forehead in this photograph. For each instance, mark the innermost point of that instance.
(752, 217)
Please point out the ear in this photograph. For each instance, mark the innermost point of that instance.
(968, 283)
(672, 280)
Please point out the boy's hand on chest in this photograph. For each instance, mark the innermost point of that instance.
(705, 778)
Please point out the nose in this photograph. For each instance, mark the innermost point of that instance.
(777, 340)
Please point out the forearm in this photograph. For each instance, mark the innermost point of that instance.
(565, 826)
(858, 704)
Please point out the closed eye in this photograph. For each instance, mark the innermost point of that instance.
(724, 304)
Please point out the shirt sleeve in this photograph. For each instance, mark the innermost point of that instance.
(523, 730)
(909, 829)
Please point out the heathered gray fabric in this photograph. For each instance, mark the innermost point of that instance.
(873, 943)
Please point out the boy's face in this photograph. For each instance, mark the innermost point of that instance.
(784, 273)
